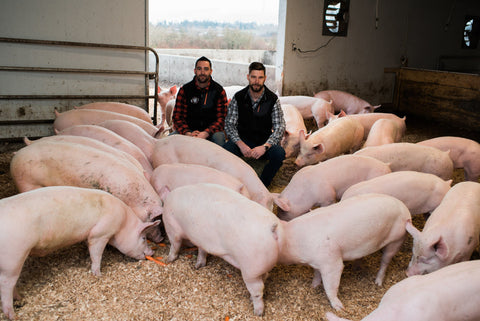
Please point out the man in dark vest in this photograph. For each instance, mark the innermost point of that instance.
(255, 123)
(201, 106)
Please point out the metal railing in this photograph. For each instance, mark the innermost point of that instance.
(148, 75)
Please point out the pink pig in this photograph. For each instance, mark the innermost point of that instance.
(294, 124)
(165, 96)
(412, 157)
(465, 153)
(192, 150)
(176, 175)
(112, 139)
(420, 192)
(133, 133)
(447, 294)
(451, 233)
(93, 117)
(347, 102)
(224, 223)
(41, 221)
(310, 107)
(322, 184)
(345, 231)
(341, 136)
(61, 163)
(385, 131)
(121, 108)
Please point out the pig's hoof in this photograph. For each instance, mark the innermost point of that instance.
(200, 265)
(337, 305)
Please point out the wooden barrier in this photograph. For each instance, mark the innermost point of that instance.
(438, 96)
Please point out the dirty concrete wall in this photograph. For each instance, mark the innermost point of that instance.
(405, 29)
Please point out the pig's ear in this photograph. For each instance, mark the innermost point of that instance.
(163, 192)
(449, 182)
(301, 135)
(329, 115)
(173, 90)
(342, 113)
(441, 249)
(281, 202)
(319, 148)
(147, 227)
(414, 232)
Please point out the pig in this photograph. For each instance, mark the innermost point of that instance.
(450, 234)
(464, 152)
(121, 108)
(169, 112)
(321, 184)
(294, 124)
(385, 131)
(41, 221)
(193, 150)
(87, 141)
(341, 136)
(221, 222)
(50, 163)
(113, 139)
(446, 294)
(176, 175)
(93, 117)
(420, 192)
(412, 157)
(347, 102)
(132, 133)
(310, 107)
(165, 96)
(367, 120)
(327, 236)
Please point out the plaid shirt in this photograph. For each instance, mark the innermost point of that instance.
(278, 122)
(179, 116)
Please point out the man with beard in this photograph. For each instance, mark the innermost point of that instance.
(255, 123)
(201, 106)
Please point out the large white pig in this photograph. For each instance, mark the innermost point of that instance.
(165, 99)
(464, 152)
(385, 131)
(58, 163)
(133, 133)
(93, 117)
(420, 192)
(447, 294)
(87, 141)
(192, 150)
(41, 221)
(327, 236)
(111, 138)
(294, 124)
(347, 102)
(310, 107)
(344, 135)
(121, 108)
(323, 184)
(450, 234)
(224, 223)
(177, 174)
(412, 157)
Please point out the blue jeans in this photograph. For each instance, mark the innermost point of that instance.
(217, 138)
(275, 156)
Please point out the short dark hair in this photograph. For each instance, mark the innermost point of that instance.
(203, 58)
(256, 66)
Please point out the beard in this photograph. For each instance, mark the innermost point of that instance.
(203, 79)
(256, 88)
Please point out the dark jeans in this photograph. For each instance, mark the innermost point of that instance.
(275, 156)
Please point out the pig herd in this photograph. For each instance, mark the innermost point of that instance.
(110, 176)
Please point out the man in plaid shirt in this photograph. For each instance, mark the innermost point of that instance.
(255, 123)
(201, 106)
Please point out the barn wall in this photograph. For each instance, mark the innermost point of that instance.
(411, 31)
(122, 22)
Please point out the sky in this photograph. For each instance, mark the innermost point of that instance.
(259, 11)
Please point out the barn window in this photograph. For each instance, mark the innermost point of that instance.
(335, 18)
(471, 32)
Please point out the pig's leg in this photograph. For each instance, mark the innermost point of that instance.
(255, 288)
(172, 229)
(331, 272)
(317, 278)
(8, 278)
(388, 252)
(96, 246)
(201, 258)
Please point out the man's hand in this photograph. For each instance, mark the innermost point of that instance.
(258, 152)
(246, 151)
(203, 135)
